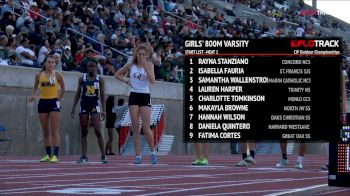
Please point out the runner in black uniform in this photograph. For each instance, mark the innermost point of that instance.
(90, 86)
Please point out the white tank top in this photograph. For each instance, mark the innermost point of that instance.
(139, 80)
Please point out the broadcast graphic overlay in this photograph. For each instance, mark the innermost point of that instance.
(339, 158)
(264, 89)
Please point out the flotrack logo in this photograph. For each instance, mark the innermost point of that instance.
(313, 12)
(314, 43)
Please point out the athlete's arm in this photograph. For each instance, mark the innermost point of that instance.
(150, 72)
(36, 84)
(62, 86)
(102, 97)
(119, 75)
(77, 96)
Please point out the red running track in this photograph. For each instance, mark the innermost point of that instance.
(174, 175)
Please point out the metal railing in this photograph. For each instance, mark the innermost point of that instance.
(94, 40)
(28, 10)
(151, 9)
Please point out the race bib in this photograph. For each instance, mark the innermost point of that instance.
(97, 85)
(58, 104)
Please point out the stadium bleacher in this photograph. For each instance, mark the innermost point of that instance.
(113, 28)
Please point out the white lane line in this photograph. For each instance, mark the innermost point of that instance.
(127, 180)
(297, 190)
(230, 185)
(23, 176)
(120, 172)
(199, 183)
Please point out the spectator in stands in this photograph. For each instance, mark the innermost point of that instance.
(58, 46)
(44, 51)
(58, 61)
(300, 32)
(101, 64)
(120, 60)
(88, 57)
(67, 60)
(79, 55)
(113, 41)
(108, 69)
(3, 50)
(7, 7)
(8, 19)
(173, 76)
(23, 20)
(98, 18)
(82, 28)
(67, 23)
(48, 27)
(47, 13)
(11, 48)
(25, 54)
(165, 71)
(34, 11)
(25, 5)
(111, 60)
(9, 31)
(101, 38)
(157, 62)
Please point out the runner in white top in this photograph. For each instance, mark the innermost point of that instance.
(138, 78)
(141, 74)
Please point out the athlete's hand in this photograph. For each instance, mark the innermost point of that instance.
(128, 82)
(103, 115)
(148, 66)
(31, 98)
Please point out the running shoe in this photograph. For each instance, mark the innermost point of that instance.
(154, 159)
(45, 158)
(282, 163)
(104, 159)
(54, 159)
(242, 163)
(299, 165)
(250, 160)
(83, 159)
(204, 162)
(324, 167)
(137, 160)
(196, 162)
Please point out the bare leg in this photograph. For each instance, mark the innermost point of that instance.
(97, 127)
(197, 148)
(110, 140)
(252, 146)
(301, 149)
(135, 128)
(146, 117)
(244, 147)
(44, 121)
(84, 120)
(205, 150)
(54, 123)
